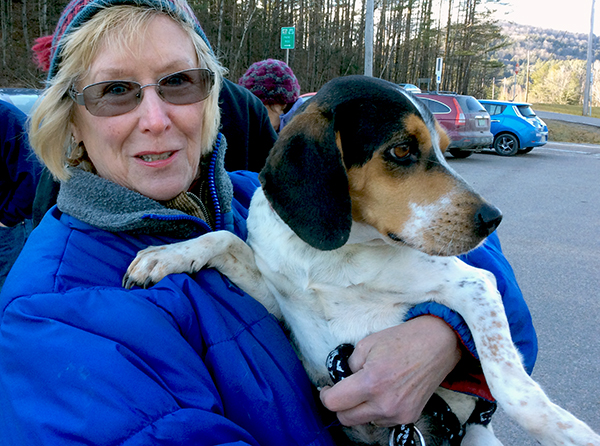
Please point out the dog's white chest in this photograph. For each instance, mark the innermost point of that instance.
(339, 296)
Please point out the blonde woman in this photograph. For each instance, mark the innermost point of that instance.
(129, 125)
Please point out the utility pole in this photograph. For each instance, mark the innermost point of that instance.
(369, 38)
(515, 83)
(587, 107)
(527, 80)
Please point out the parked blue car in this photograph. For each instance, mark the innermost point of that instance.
(515, 126)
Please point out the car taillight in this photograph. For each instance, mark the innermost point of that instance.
(460, 116)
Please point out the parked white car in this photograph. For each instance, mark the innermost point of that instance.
(22, 98)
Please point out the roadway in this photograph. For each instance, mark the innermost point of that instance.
(588, 120)
(551, 235)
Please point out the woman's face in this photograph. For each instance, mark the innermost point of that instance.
(155, 148)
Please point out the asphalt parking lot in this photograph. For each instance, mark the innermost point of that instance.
(551, 235)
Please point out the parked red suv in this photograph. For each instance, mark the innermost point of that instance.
(465, 120)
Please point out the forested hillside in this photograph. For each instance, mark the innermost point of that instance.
(542, 45)
(556, 61)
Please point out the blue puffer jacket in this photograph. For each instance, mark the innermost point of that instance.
(190, 361)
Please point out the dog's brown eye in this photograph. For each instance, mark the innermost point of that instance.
(401, 154)
(401, 151)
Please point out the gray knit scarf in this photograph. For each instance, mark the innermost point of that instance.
(114, 208)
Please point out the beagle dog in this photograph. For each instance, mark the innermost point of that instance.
(359, 218)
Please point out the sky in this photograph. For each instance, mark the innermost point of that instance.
(565, 15)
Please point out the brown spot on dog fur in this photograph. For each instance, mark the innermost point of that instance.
(378, 190)
(414, 125)
(444, 138)
(384, 198)
(338, 141)
(311, 122)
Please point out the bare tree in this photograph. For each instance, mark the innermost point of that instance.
(329, 38)
(24, 23)
(4, 19)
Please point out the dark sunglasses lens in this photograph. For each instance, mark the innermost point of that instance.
(186, 87)
(111, 98)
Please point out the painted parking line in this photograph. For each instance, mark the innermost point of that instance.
(574, 145)
(564, 150)
(569, 147)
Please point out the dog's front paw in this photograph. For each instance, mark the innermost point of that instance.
(156, 262)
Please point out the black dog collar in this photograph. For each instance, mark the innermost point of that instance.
(436, 409)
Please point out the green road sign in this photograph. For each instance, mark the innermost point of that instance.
(288, 37)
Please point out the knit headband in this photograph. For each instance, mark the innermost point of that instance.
(48, 48)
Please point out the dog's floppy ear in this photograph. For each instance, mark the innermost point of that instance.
(305, 181)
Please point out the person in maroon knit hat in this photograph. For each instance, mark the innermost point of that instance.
(275, 84)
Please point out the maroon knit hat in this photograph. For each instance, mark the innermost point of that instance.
(273, 81)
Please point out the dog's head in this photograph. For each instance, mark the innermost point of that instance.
(362, 149)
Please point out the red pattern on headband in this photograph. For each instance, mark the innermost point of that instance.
(41, 52)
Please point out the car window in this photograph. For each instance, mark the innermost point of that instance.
(494, 109)
(526, 111)
(410, 87)
(22, 98)
(470, 104)
(436, 107)
(23, 102)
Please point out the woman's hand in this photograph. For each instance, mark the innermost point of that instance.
(395, 372)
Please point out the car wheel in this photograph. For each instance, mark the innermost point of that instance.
(506, 145)
(525, 150)
(457, 153)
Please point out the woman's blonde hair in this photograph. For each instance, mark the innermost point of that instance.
(50, 125)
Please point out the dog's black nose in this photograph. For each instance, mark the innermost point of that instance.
(487, 219)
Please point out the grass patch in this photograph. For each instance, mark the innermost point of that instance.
(561, 131)
(576, 110)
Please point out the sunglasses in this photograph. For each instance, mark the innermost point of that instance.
(113, 98)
